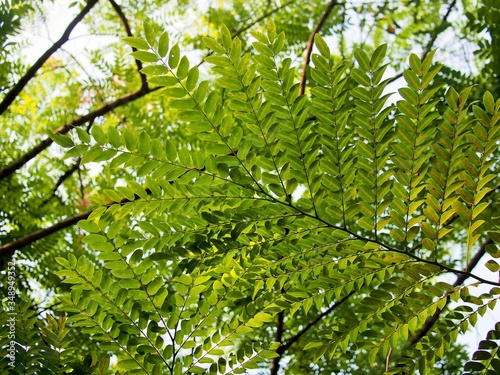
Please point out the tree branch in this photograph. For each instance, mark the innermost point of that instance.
(19, 86)
(275, 365)
(434, 36)
(429, 323)
(438, 30)
(61, 179)
(9, 248)
(124, 21)
(264, 16)
(279, 330)
(310, 44)
(297, 336)
(18, 163)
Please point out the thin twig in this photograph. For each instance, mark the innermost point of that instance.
(61, 179)
(310, 44)
(429, 323)
(124, 21)
(264, 16)
(430, 44)
(388, 359)
(18, 163)
(19, 86)
(296, 337)
(280, 327)
(279, 333)
(9, 248)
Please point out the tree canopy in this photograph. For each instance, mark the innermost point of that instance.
(265, 187)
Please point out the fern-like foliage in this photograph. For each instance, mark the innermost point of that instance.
(290, 204)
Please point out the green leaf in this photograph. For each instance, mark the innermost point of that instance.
(229, 83)
(183, 68)
(360, 77)
(114, 137)
(170, 151)
(150, 34)
(136, 42)
(89, 226)
(322, 46)
(163, 80)
(378, 56)
(163, 44)
(174, 56)
(412, 79)
(362, 59)
(226, 37)
(416, 65)
(492, 265)
(213, 44)
(192, 78)
(62, 140)
(155, 70)
(98, 135)
(145, 56)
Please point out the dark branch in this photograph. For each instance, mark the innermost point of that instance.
(438, 30)
(275, 365)
(264, 16)
(16, 164)
(250, 25)
(310, 44)
(61, 179)
(427, 326)
(9, 248)
(19, 86)
(279, 332)
(124, 21)
(296, 337)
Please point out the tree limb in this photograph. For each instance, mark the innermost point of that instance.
(439, 29)
(310, 44)
(18, 163)
(313, 322)
(15, 165)
(9, 248)
(19, 86)
(63, 178)
(275, 365)
(429, 323)
(434, 36)
(282, 349)
(264, 16)
(124, 21)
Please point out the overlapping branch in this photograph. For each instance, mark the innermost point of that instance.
(283, 348)
(429, 323)
(128, 30)
(61, 180)
(19, 86)
(9, 248)
(438, 30)
(310, 44)
(21, 161)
